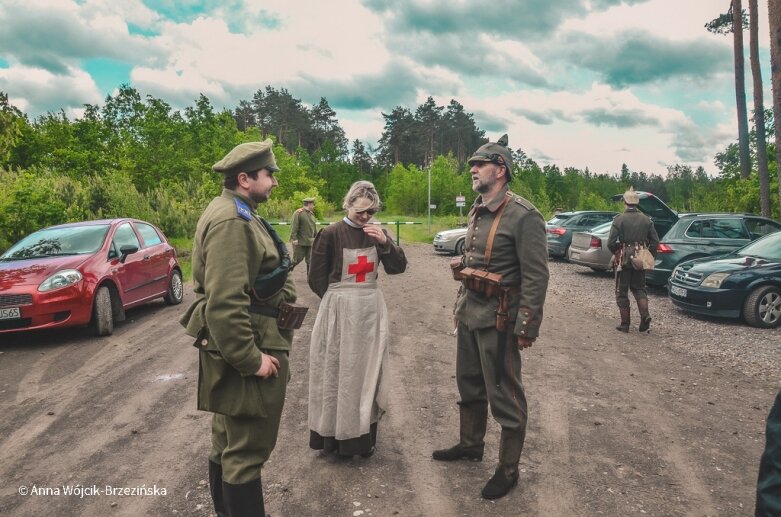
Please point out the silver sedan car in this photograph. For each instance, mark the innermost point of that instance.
(590, 248)
(450, 241)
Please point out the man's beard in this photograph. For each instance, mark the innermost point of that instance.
(483, 186)
(259, 197)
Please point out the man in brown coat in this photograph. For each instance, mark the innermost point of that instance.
(631, 230)
(505, 237)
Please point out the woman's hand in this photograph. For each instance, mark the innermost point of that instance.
(375, 233)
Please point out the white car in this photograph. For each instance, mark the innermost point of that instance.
(450, 241)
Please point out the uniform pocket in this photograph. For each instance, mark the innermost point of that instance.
(222, 389)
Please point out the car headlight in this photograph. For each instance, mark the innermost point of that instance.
(438, 237)
(714, 280)
(59, 280)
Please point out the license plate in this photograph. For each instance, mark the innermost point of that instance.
(678, 291)
(574, 255)
(10, 313)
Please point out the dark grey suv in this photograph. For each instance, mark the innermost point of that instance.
(706, 235)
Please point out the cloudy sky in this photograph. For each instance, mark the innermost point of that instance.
(582, 83)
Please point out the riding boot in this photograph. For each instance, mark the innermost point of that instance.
(244, 500)
(624, 326)
(645, 317)
(215, 487)
(473, 420)
(506, 475)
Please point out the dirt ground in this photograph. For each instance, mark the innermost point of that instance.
(617, 426)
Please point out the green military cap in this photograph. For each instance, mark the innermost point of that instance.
(496, 152)
(248, 157)
(308, 200)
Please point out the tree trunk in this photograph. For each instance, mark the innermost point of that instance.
(759, 111)
(774, 11)
(740, 88)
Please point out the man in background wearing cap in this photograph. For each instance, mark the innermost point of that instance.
(243, 356)
(631, 229)
(506, 236)
(302, 232)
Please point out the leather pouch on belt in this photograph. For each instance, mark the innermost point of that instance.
(291, 316)
(457, 267)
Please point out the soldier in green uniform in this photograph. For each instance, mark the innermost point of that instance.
(239, 267)
(302, 232)
(506, 239)
(630, 230)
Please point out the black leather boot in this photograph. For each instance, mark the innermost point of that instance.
(625, 314)
(215, 487)
(473, 420)
(506, 475)
(245, 500)
(645, 317)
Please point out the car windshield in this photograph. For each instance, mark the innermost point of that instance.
(56, 242)
(768, 248)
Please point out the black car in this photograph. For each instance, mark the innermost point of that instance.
(565, 224)
(744, 283)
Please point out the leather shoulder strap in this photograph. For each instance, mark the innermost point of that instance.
(490, 244)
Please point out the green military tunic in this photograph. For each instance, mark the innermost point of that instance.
(303, 229)
(631, 227)
(520, 255)
(231, 248)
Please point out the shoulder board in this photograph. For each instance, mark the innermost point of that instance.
(299, 210)
(521, 201)
(242, 210)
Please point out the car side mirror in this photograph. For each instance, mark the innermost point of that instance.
(126, 250)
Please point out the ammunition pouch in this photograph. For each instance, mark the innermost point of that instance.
(483, 282)
(288, 315)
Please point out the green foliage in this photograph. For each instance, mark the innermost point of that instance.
(138, 157)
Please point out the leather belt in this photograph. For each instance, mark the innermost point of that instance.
(264, 310)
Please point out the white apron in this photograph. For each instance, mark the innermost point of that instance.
(348, 387)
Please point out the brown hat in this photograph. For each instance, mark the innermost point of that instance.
(248, 157)
(631, 197)
(496, 152)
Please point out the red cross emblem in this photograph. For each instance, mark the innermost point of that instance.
(360, 268)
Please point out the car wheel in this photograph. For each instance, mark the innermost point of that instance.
(460, 247)
(175, 293)
(102, 314)
(763, 307)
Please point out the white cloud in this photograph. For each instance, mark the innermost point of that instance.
(38, 90)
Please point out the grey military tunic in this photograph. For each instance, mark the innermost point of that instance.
(520, 255)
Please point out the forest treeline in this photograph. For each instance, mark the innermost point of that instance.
(137, 156)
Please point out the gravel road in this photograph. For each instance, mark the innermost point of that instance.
(665, 423)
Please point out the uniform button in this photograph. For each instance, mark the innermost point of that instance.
(475, 228)
(524, 322)
(204, 342)
(523, 332)
(473, 238)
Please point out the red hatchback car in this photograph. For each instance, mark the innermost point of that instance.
(86, 273)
